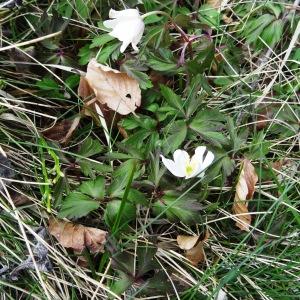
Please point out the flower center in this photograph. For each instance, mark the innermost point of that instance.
(189, 169)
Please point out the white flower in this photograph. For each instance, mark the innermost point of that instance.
(127, 25)
(184, 166)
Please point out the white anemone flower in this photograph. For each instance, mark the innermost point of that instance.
(184, 166)
(128, 27)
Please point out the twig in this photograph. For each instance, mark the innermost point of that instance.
(45, 37)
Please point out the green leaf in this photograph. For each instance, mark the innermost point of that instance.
(111, 213)
(215, 138)
(121, 285)
(85, 54)
(173, 99)
(107, 51)
(145, 259)
(203, 59)
(272, 33)
(162, 64)
(178, 208)
(90, 147)
(209, 15)
(101, 40)
(137, 197)
(48, 84)
(135, 71)
(72, 81)
(176, 134)
(77, 205)
(120, 177)
(94, 188)
(82, 8)
(254, 27)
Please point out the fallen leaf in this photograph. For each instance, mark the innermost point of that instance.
(76, 236)
(264, 116)
(196, 254)
(193, 246)
(116, 89)
(187, 242)
(227, 19)
(84, 90)
(244, 191)
(21, 199)
(214, 3)
(286, 168)
(62, 131)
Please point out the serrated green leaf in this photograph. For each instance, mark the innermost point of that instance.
(77, 205)
(176, 134)
(111, 213)
(94, 188)
(101, 40)
(173, 99)
(90, 147)
(176, 207)
(209, 16)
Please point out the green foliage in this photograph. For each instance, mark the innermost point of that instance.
(77, 205)
(112, 210)
(177, 207)
(94, 188)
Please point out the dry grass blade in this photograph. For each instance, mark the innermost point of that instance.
(244, 191)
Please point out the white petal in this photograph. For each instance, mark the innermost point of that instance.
(171, 166)
(126, 13)
(110, 23)
(197, 161)
(209, 158)
(127, 30)
(181, 159)
(124, 46)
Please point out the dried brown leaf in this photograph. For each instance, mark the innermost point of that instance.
(196, 254)
(76, 236)
(187, 242)
(21, 199)
(214, 3)
(62, 131)
(244, 192)
(194, 248)
(117, 90)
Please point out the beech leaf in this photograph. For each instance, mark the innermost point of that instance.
(116, 89)
(244, 192)
(62, 131)
(193, 246)
(76, 236)
(186, 242)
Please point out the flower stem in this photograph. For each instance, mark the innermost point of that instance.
(155, 12)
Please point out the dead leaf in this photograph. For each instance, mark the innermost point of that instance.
(187, 242)
(117, 90)
(196, 254)
(84, 90)
(194, 248)
(76, 236)
(214, 3)
(62, 131)
(21, 199)
(227, 19)
(244, 191)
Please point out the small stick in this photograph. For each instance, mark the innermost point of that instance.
(49, 36)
